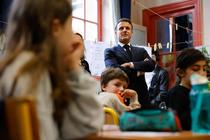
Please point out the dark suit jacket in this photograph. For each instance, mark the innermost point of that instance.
(159, 86)
(116, 56)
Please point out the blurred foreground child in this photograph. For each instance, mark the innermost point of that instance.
(41, 61)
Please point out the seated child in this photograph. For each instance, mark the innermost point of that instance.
(188, 62)
(114, 82)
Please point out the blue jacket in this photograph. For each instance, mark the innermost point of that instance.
(159, 86)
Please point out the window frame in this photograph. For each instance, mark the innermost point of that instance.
(98, 23)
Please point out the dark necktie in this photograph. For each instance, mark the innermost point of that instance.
(128, 51)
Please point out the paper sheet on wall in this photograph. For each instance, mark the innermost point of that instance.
(94, 54)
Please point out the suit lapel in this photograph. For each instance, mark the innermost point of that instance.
(123, 52)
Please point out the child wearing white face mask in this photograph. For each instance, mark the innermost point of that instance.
(189, 61)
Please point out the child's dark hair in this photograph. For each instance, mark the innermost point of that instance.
(113, 73)
(188, 57)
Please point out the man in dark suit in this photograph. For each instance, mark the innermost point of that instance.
(133, 60)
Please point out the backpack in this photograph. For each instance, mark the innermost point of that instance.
(200, 111)
(149, 120)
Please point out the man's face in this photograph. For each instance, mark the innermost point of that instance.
(124, 32)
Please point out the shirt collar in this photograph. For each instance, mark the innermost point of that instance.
(121, 44)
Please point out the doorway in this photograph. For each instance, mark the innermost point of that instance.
(172, 25)
(174, 37)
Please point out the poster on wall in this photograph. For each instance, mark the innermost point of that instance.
(94, 54)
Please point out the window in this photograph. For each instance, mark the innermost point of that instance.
(87, 18)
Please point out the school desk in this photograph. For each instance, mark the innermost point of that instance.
(119, 135)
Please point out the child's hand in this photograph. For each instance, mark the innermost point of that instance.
(128, 108)
(132, 94)
(135, 105)
(74, 53)
(128, 93)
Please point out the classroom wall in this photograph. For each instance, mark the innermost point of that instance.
(107, 25)
(136, 13)
(206, 22)
(136, 7)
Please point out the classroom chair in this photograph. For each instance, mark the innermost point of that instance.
(111, 117)
(21, 118)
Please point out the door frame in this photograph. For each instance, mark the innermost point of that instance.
(173, 10)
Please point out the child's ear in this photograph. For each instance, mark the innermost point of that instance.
(103, 87)
(180, 72)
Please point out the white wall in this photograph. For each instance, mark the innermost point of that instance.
(107, 27)
(136, 15)
(206, 22)
(138, 5)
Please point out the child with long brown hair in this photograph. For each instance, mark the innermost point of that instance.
(41, 60)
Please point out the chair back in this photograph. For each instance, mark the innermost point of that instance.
(21, 118)
(111, 117)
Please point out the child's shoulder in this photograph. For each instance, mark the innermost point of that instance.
(107, 95)
(178, 89)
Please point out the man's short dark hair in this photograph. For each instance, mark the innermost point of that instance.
(124, 20)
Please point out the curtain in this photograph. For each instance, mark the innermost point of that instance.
(125, 8)
(115, 13)
(4, 11)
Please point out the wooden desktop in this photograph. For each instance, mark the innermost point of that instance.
(116, 134)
